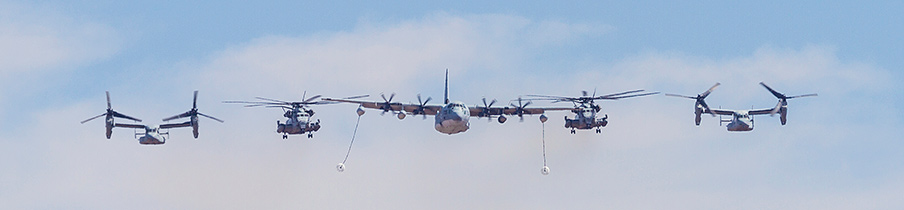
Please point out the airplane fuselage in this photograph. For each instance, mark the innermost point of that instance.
(740, 121)
(294, 126)
(453, 118)
(152, 137)
(585, 119)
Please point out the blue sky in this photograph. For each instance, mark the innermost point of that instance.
(839, 150)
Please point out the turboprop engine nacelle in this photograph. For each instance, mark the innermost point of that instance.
(543, 118)
(501, 119)
(401, 115)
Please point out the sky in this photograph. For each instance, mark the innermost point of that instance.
(840, 150)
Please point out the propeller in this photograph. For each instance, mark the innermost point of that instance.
(519, 109)
(111, 113)
(387, 106)
(700, 98)
(193, 112)
(422, 105)
(485, 110)
(782, 99)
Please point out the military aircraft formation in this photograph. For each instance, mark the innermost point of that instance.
(450, 117)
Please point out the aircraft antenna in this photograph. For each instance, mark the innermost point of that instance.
(341, 166)
(447, 86)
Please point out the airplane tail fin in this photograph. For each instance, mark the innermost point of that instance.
(446, 96)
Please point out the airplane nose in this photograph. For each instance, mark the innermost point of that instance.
(455, 116)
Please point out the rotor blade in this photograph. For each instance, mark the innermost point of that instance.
(549, 97)
(805, 95)
(208, 116)
(108, 101)
(525, 104)
(491, 103)
(705, 106)
(186, 114)
(194, 102)
(617, 94)
(775, 93)
(384, 97)
(710, 90)
(427, 101)
(311, 99)
(584, 92)
(629, 96)
(273, 100)
(419, 101)
(391, 96)
(485, 102)
(682, 96)
(119, 115)
(95, 117)
(354, 97)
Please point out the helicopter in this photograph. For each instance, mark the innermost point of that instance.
(742, 120)
(152, 135)
(297, 113)
(586, 110)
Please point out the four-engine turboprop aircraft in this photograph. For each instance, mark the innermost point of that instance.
(452, 117)
(741, 120)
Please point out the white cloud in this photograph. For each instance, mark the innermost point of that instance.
(650, 156)
(37, 39)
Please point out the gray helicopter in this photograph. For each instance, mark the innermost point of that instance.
(299, 116)
(586, 110)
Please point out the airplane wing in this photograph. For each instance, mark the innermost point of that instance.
(479, 111)
(428, 109)
(126, 125)
(721, 111)
(176, 125)
(760, 111)
(369, 104)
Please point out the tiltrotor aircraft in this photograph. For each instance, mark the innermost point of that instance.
(152, 135)
(741, 120)
(586, 110)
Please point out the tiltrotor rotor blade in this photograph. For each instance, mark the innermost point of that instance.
(211, 117)
(95, 117)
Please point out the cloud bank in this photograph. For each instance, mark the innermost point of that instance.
(650, 156)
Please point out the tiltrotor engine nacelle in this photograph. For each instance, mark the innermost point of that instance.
(501, 119)
(401, 115)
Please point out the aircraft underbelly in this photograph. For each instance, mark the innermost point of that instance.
(452, 126)
(739, 126)
(296, 129)
(149, 140)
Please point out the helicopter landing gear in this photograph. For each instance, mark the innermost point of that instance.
(572, 131)
(285, 136)
(310, 135)
(598, 130)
